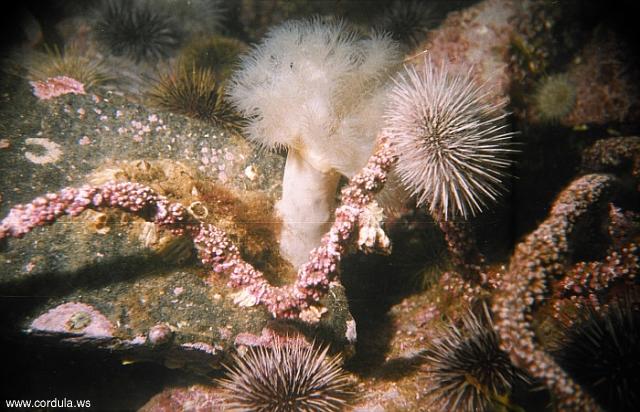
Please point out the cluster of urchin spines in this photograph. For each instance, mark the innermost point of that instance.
(452, 143)
(196, 92)
(466, 367)
(69, 62)
(600, 351)
(137, 30)
(290, 375)
(407, 21)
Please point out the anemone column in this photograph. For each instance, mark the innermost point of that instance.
(308, 200)
(315, 88)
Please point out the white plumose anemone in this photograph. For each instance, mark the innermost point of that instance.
(452, 144)
(314, 87)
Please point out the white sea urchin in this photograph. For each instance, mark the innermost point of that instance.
(451, 143)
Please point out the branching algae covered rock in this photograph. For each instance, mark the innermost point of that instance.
(215, 248)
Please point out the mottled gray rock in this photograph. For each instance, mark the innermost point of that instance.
(108, 280)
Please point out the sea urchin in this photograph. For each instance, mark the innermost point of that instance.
(467, 368)
(407, 21)
(197, 93)
(69, 63)
(602, 353)
(136, 29)
(218, 53)
(451, 143)
(290, 376)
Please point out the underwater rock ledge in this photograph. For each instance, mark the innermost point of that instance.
(106, 280)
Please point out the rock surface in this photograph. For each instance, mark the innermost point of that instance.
(113, 281)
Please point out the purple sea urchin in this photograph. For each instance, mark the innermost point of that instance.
(601, 352)
(452, 145)
(136, 29)
(289, 376)
(468, 370)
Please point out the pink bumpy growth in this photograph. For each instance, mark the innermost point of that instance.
(539, 259)
(214, 247)
(56, 86)
(314, 277)
(132, 197)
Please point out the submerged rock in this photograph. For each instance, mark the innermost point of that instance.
(110, 280)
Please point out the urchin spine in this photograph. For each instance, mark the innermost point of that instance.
(452, 145)
(468, 369)
(291, 375)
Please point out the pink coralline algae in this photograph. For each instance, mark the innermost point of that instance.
(202, 347)
(607, 155)
(542, 273)
(623, 226)
(587, 282)
(478, 37)
(536, 262)
(75, 318)
(130, 197)
(159, 334)
(56, 86)
(269, 336)
(606, 83)
(464, 252)
(298, 300)
(196, 398)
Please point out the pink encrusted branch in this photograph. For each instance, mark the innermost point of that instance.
(539, 260)
(613, 153)
(314, 276)
(588, 282)
(214, 247)
(463, 249)
(131, 197)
